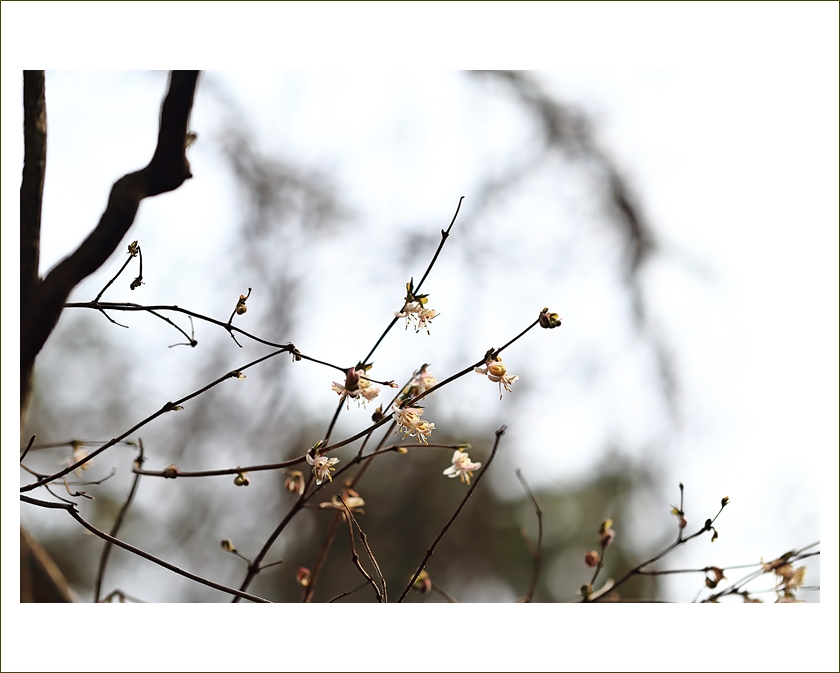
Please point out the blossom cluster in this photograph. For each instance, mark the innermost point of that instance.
(411, 425)
(356, 387)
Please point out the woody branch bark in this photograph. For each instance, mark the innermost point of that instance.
(31, 192)
(43, 299)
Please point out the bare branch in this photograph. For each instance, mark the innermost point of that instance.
(106, 550)
(167, 171)
(431, 550)
(71, 510)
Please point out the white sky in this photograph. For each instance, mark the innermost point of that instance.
(725, 116)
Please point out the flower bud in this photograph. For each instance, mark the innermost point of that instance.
(606, 535)
(592, 558)
(303, 576)
(549, 320)
(227, 545)
(294, 482)
(423, 583)
(351, 383)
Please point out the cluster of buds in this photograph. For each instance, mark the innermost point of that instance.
(415, 309)
(356, 386)
(241, 479)
(411, 425)
(496, 372)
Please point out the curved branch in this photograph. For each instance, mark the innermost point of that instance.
(167, 171)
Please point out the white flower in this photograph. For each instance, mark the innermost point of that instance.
(78, 454)
(411, 425)
(414, 311)
(496, 372)
(461, 466)
(321, 467)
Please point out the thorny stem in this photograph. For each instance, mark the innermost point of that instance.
(71, 510)
(431, 550)
(106, 550)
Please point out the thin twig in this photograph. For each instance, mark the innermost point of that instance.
(431, 550)
(28, 446)
(355, 558)
(322, 557)
(679, 541)
(169, 406)
(347, 593)
(106, 550)
(71, 510)
(122, 595)
(368, 550)
(537, 552)
(110, 282)
(445, 595)
(444, 234)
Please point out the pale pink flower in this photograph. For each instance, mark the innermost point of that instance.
(461, 467)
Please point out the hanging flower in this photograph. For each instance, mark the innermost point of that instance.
(414, 309)
(497, 373)
(461, 467)
(321, 467)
